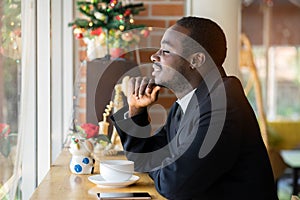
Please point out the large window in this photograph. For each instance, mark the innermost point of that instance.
(284, 84)
(36, 84)
(272, 27)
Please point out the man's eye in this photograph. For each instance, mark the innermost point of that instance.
(165, 51)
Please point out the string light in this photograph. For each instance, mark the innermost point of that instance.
(77, 31)
(103, 6)
(85, 8)
(121, 27)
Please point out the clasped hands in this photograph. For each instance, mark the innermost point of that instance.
(141, 93)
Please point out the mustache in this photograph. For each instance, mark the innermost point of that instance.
(157, 64)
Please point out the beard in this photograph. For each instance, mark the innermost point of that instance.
(178, 83)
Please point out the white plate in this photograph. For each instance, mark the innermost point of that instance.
(99, 181)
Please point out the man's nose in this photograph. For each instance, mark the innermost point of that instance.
(155, 57)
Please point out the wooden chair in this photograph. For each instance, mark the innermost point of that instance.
(247, 61)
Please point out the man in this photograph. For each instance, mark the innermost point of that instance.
(210, 146)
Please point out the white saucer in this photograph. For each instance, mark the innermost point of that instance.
(99, 181)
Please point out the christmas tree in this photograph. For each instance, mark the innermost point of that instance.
(107, 17)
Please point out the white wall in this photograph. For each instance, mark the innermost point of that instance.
(227, 13)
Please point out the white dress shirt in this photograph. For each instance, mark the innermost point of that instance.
(184, 101)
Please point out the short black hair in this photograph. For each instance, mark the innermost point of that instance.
(208, 34)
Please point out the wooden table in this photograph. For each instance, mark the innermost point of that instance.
(292, 158)
(60, 183)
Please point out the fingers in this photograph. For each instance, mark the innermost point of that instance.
(143, 86)
(150, 86)
(139, 86)
(154, 93)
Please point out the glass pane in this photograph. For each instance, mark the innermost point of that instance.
(259, 57)
(10, 79)
(272, 28)
(287, 82)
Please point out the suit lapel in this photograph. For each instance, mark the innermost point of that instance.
(192, 115)
(186, 125)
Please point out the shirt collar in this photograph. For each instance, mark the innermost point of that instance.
(184, 101)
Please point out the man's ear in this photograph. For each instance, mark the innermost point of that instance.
(197, 60)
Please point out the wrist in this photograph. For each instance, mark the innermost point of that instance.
(135, 111)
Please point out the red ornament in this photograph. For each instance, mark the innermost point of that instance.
(145, 33)
(78, 35)
(4, 130)
(127, 12)
(119, 17)
(96, 31)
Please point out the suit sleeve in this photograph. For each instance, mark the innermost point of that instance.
(138, 143)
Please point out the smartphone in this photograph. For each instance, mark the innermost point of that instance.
(120, 195)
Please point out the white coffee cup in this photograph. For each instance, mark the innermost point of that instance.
(116, 170)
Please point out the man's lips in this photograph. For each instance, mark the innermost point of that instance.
(156, 67)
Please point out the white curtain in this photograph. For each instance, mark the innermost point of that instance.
(27, 104)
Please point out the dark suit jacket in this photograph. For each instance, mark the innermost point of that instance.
(217, 153)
